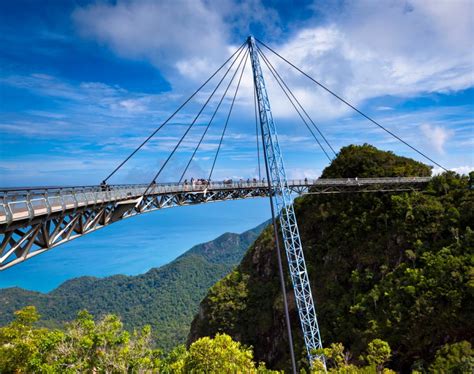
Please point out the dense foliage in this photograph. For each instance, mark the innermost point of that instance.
(86, 345)
(89, 346)
(165, 298)
(397, 267)
(365, 161)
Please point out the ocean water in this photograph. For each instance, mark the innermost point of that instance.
(137, 244)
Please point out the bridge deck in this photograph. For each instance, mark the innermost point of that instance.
(34, 220)
(27, 203)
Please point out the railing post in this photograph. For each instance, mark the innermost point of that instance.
(29, 206)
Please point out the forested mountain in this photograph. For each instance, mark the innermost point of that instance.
(394, 266)
(165, 298)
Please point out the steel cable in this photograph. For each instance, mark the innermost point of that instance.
(294, 106)
(267, 61)
(210, 121)
(172, 115)
(352, 106)
(228, 117)
(186, 132)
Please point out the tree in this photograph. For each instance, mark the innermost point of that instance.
(89, 346)
(220, 355)
(104, 346)
(338, 360)
(173, 362)
(457, 358)
(378, 354)
(228, 296)
(19, 341)
(85, 346)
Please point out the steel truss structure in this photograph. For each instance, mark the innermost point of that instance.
(284, 207)
(34, 220)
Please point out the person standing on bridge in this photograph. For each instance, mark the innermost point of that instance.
(103, 186)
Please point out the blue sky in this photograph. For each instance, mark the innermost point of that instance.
(82, 83)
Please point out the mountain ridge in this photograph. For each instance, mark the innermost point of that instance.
(165, 297)
(390, 266)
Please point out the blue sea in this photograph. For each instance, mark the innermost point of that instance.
(135, 245)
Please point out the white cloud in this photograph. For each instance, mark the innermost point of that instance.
(133, 105)
(162, 32)
(364, 50)
(88, 109)
(459, 169)
(382, 48)
(436, 136)
(300, 173)
(53, 169)
(463, 169)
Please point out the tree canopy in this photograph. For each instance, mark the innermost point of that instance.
(365, 161)
(391, 266)
(103, 346)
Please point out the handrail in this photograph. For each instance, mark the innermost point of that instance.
(230, 184)
(30, 202)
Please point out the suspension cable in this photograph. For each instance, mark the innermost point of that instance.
(297, 101)
(172, 115)
(228, 117)
(212, 118)
(352, 106)
(294, 106)
(186, 132)
(257, 133)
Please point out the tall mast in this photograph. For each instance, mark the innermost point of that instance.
(282, 203)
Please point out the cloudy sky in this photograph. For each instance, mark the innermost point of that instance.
(82, 83)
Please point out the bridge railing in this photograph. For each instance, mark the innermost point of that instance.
(27, 203)
(11, 193)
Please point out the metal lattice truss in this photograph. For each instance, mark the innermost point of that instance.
(284, 206)
(282, 190)
(34, 220)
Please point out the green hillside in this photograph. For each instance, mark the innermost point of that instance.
(165, 298)
(396, 266)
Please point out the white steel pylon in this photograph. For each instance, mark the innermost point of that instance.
(284, 207)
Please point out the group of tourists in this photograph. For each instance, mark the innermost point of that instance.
(241, 181)
(207, 182)
(198, 182)
(195, 182)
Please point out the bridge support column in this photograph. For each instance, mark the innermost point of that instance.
(282, 202)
